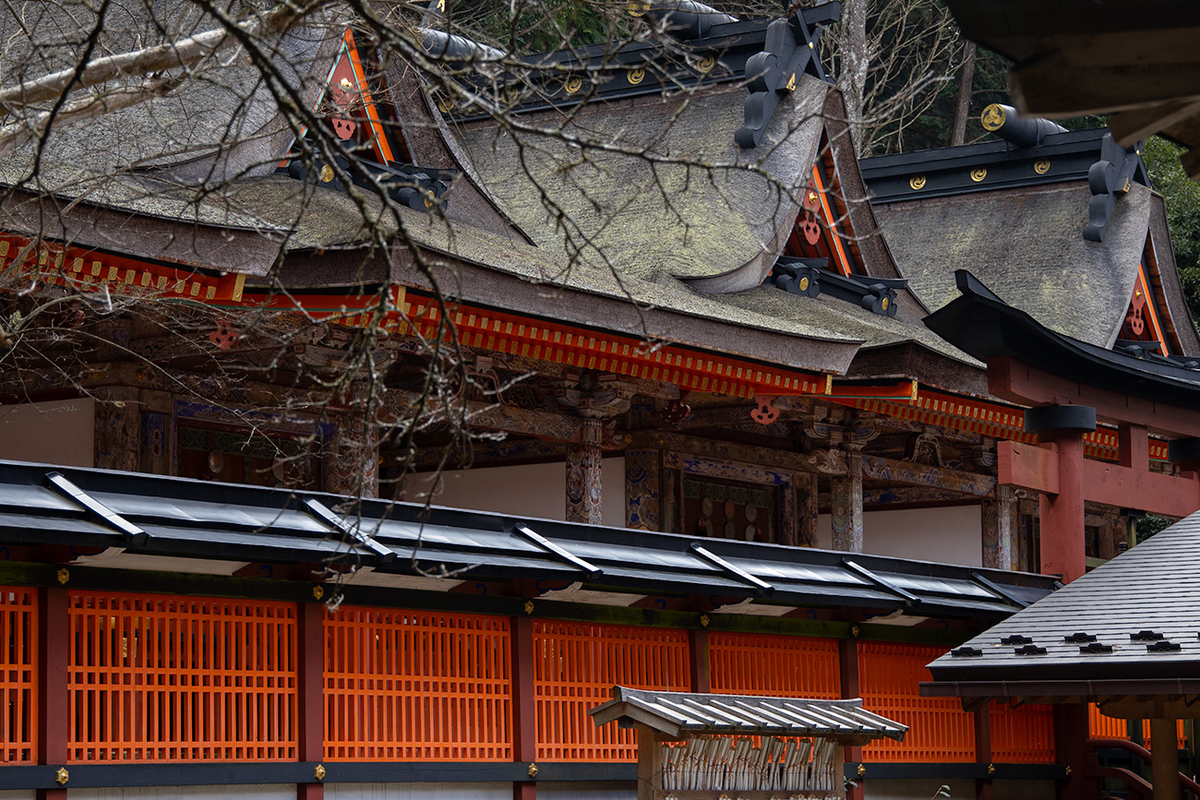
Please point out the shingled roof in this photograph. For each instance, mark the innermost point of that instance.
(1026, 245)
(1134, 618)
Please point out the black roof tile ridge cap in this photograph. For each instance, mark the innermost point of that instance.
(917, 157)
(62, 486)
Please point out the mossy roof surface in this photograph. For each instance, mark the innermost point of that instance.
(1027, 246)
(510, 255)
(657, 185)
(829, 313)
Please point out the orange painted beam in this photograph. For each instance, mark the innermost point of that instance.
(1037, 469)
(1027, 466)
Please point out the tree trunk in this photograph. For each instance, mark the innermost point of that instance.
(855, 59)
(962, 108)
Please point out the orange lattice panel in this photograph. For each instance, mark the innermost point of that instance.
(939, 730)
(18, 675)
(416, 686)
(783, 666)
(1022, 735)
(167, 678)
(575, 667)
(1105, 727)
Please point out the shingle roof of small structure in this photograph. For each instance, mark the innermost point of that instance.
(1135, 616)
(684, 712)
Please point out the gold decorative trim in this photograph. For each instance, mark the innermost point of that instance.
(61, 776)
(917, 182)
(1041, 166)
(318, 592)
(532, 771)
(704, 620)
(978, 174)
(63, 576)
(855, 631)
(707, 63)
(528, 606)
(991, 769)
(319, 772)
(573, 84)
(326, 173)
(861, 771)
(992, 117)
(636, 76)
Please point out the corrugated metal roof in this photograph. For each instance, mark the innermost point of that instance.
(678, 712)
(201, 519)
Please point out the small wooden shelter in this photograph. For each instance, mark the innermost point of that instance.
(698, 746)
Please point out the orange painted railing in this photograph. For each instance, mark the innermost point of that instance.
(1105, 727)
(18, 675)
(1022, 735)
(785, 666)
(575, 666)
(939, 730)
(167, 678)
(417, 686)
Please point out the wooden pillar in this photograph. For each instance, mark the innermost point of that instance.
(649, 765)
(806, 509)
(999, 519)
(310, 664)
(54, 712)
(983, 750)
(118, 430)
(698, 663)
(1164, 760)
(1062, 528)
(848, 674)
(524, 704)
(353, 465)
(1070, 741)
(643, 472)
(847, 506)
(584, 489)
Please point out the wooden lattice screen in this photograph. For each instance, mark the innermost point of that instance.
(417, 685)
(575, 667)
(939, 731)
(1101, 726)
(167, 678)
(1022, 735)
(784, 666)
(18, 675)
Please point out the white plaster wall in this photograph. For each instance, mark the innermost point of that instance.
(282, 791)
(527, 490)
(915, 790)
(56, 432)
(416, 791)
(1023, 790)
(547, 790)
(952, 535)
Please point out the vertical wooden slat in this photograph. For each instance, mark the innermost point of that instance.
(576, 666)
(766, 664)
(408, 686)
(939, 730)
(162, 678)
(19, 660)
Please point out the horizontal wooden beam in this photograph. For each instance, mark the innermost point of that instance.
(826, 462)
(1037, 469)
(1019, 383)
(889, 469)
(1027, 466)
